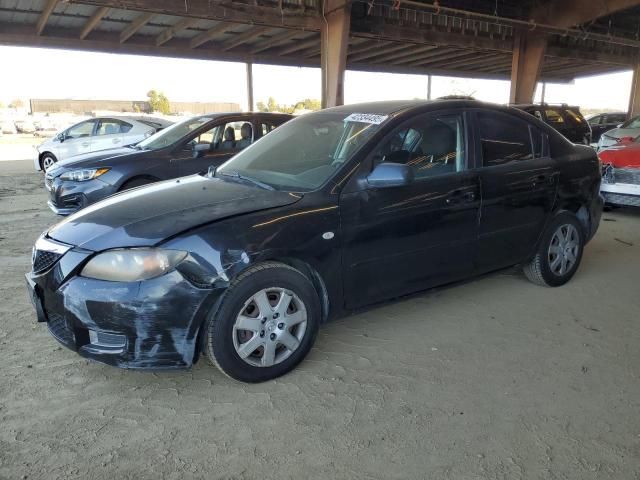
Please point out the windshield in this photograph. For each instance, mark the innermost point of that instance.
(304, 153)
(633, 123)
(172, 134)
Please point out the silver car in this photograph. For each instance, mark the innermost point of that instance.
(94, 135)
(629, 130)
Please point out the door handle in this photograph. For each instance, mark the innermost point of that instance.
(116, 140)
(85, 144)
(458, 196)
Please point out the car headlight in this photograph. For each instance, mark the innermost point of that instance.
(83, 174)
(132, 264)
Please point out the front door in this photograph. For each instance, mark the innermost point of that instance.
(518, 181)
(77, 139)
(403, 239)
(213, 145)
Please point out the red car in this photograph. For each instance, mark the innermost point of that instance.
(621, 174)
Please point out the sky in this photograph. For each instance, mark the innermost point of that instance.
(49, 73)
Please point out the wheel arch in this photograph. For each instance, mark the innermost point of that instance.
(581, 212)
(42, 155)
(124, 183)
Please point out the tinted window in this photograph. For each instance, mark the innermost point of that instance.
(504, 138)
(597, 120)
(112, 127)
(616, 119)
(430, 144)
(266, 127)
(554, 117)
(573, 118)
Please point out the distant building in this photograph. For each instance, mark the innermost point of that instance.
(87, 107)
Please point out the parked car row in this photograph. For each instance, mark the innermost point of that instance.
(329, 212)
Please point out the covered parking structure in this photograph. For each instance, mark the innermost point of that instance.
(526, 41)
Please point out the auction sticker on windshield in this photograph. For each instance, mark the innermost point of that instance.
(372, 118)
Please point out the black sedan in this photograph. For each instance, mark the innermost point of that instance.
(333, 211)
(185, 148)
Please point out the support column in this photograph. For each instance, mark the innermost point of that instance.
(250, 86)
(634, 96)
(428, 87)
(526, 64)
(333, 51)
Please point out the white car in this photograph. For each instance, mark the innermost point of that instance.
(93, 135)
(626, 132)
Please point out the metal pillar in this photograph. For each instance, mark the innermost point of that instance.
(250, 86)
(428, 87)
(333, 53)
(526, 63)
(544, 88)
(634, 96)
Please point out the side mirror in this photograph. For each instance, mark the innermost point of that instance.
(620, 125)
(390, 175)
(200, 149)
(60, 137)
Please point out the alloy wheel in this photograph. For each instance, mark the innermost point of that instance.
(269, 327)
(563, 249)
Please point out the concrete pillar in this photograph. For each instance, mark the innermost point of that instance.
(250, 86)
(333, 52)
(526, 64)
(428, 87)
(634, 96)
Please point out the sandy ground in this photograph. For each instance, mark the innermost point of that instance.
(493, 379)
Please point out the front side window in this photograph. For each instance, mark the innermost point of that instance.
(84, 129)
(304, 153)
(504, 139)
(430, 144)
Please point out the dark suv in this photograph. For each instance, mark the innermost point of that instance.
(564, 118)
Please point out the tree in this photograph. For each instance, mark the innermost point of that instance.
(17, 103)
(312, 104)
(159, 102)
(272, 106)
(261, 107)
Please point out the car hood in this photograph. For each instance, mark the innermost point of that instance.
(622, 156)
(89, 159)
(623, 132)
(148, 215)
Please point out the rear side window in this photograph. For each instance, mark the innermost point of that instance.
(554, 117)
(573, 118)
(505, 139)
(112, 127)
(616, 119)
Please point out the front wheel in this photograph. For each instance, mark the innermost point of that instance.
(559, 252)
(265, 325)
(48, 159)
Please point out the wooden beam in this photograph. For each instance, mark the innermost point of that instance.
(411, 52)
(170, 32)
(373, 51)
(135, 25)
(244, 37)
(366, 45)
(221, 11)
(275, 40)
(437, 56)
(93, 21)
(299, 46)
(209, 34)
(44, 16)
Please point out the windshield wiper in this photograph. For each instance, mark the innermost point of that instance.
(235, 174)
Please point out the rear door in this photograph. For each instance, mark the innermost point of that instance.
(406, 238)
(518, 181)
(109, 134)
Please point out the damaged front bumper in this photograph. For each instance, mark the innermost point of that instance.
(621, 186)
(151, 324)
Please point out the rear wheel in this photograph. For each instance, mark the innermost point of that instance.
(47, 161)
(559, 252)
(266, 323)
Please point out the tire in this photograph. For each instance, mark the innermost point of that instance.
(286, 338)
(47, 161)
(559, 253)
(136, 182)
